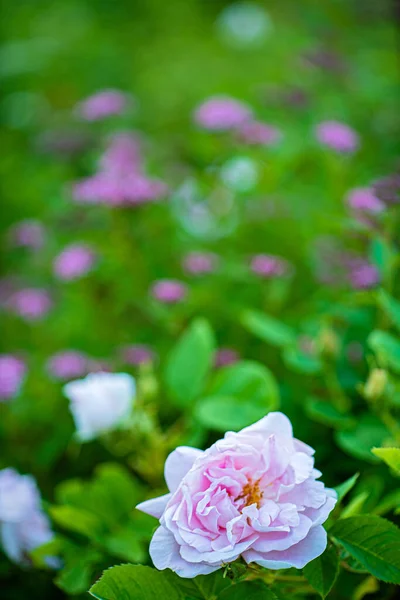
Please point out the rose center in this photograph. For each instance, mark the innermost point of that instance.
(251, 494)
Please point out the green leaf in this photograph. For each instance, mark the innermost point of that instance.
(359, 441)
(135, 582)
(189, 363)
(268, 329)
(374, 542)
(356, 505)
(327, 414)
(80, 563)
(390, 306)
(240, 395)
(110, 495)
(386, 348)
(248, 590)
(76, 519)
(391, 501)
(345, 487)
(301, 363)
(322, 572)
(391, 456)
(124, 544)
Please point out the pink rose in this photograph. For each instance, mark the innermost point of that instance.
(253, 494)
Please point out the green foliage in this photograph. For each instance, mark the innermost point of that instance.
(344, 488)
(239, 395)
(386, 348)
(101, 512)
(268, 329)
(315, 339)
(323, 571)
(134, 582)
(374, 542)
(391, 306)
(189, 363)
(391, 456)
(359, 441)
(327, 414)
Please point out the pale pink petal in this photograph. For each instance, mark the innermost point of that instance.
(296, 556)
(274, 422)
(154, 507)
(178, 463)
(164, 552)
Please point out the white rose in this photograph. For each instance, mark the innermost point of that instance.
(100, 402)
(23, 525)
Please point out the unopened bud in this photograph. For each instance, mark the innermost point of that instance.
(328, 343)
(376, 384)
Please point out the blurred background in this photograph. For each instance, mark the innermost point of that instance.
(294, 65)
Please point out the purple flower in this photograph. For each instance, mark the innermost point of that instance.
(27, 234)
(31, 304)
(268, 266)
(68, 364)
(23, 525)
(137, 354)
(114, 190)
(364, 200)
(103, 104)
(73, 262)
(200, 263)
(254, 494)
(257, 133)
(225, 356)
(221, 113)
(387, 189)
(122, 156)
(362, 274)
(12, 372)
(169, 291)
(338, 136)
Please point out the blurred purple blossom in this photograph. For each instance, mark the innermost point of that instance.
(12, 372)
(114, 190)
(338, 136)
(364, 200)
(31, 304)
(68, 364)
(122, 155)
(221, 113)
(137, 354)
(169, 291)
(73, 262)
(29, 234)
(200, 263)
(119, 180)
(268, 266)
(258, 133)
(104, 103)
(362, 274)
(225, 356)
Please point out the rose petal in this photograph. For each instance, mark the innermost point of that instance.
(154, 507)
(178, 463)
